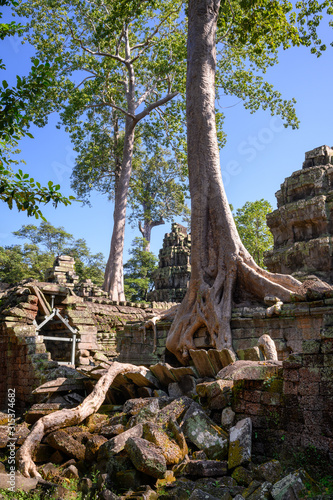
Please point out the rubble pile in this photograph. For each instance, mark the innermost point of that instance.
(162, 432)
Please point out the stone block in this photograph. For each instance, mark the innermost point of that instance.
(240, 443)
(206, 468)
(202, 432)
(146, 457)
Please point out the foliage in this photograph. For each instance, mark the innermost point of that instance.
(158, 189)
(252, 228)
(138, 271)
(46, 242)
(19, 188)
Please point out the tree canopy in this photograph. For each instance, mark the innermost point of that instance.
(18, 188)
(138, 271)
(252, 228)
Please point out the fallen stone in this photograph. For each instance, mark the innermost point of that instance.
(21, 482)
(92, 446)
(269, 471)
(198, 494)
(108, 495)
(227, 418)
(50, 471)
(174, 390)
(202, 362)
(146, 457)
(291, 486)
(38, 410)
(169, 448)
(117, 444)
(202, 432)
(174, 410)
(252, 487)
(147, 413)
(60, 385)
(70, 472)
(143, 378)
(65, 443)
(109, 431)
(242, 476)
(263, 492)
(85, 485)
(240, 443)
(206, 468)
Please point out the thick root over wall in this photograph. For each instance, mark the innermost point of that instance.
(208, 302)
(65, 418)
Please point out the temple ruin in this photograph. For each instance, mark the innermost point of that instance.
(302, 225)
(174, 268)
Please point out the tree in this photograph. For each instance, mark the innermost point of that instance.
(158, 185)
(158, 191)
(130, 54)
(221, 265)
(251, 224)
(46, 242)
(138, 271)
(19, 188)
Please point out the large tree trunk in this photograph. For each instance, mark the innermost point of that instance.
(220, 262)
(65, 418)
(113, 278)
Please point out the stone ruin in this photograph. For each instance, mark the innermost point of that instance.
(174, 269)
(251, 408)
(302, 225)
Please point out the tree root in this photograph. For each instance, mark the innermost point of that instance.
(67, 417)
(211, 305)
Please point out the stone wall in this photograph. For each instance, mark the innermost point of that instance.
(294, 409)
(297, 324)
(25, 354)
(22, 353)
(302, 225)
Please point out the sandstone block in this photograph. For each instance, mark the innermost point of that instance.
(202, 432)
(146, 457)
(240, 443)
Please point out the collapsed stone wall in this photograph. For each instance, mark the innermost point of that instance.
(294, 408)
(25, 354)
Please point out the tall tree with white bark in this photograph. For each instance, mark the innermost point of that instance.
(221, 265)
(126, 56)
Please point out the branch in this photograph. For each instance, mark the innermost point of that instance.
(154, 105)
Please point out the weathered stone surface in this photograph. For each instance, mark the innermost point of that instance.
(117, 444)
(92, 446)
(227, 418)
(169, 448)
(240, 443)
(242, 476)
(146, 457)
(70, 472)
(251, 354)
(301, 225)
(202, 432)
(198, 494)
(21, 483)
(206, 468)
(291, 486)
(65, 443)
(172, 276)
(262, 493)
(269, 471)
(250, 370)
(175, 410)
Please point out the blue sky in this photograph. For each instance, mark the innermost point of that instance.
(260, 153)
